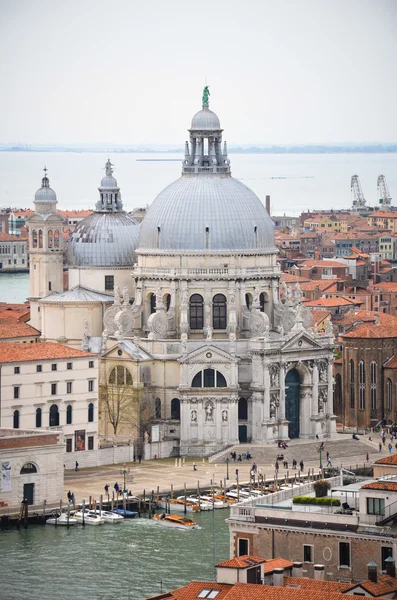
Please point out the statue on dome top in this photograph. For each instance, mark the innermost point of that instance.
(108, 168)
(206, 95)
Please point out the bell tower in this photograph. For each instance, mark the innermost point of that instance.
(46, 246)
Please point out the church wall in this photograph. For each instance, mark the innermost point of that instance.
(66, 322)
(94, 279)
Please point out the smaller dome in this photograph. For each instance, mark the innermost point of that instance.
(206, 120)
(108, 182)
(45, 193)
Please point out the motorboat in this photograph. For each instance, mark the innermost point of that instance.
(226, 499)
(175, 521)
(241, 495)
(85, 517)
(198, 502)
(178, 504)
(127, 514)
(216, 502)
(61, 519)
(108, 517)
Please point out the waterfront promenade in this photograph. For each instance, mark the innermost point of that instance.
(153, 474)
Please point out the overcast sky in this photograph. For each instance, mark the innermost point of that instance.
(132, 72)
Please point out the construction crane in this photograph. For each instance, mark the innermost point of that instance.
(383, 191)
(358, 196)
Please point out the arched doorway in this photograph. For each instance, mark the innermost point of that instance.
(242, 420)
(292, 406)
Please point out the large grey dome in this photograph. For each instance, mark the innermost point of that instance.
(104, 240)
(45, 193)
(206, 120)
(206, 212)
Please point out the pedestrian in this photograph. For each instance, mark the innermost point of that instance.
(194, 467)
(239, 458)
(116, 487)
(276, 466)
(301, 465)
(69, 496)
(390, 448)
(77, 466)
(139, 458)
(327, 456)
(380, 446)
(72, 499)
(329, 460)
(254, 468)
(106, 489)
(294, 464)
(367, 457)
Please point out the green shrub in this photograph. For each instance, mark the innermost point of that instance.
(311, 500)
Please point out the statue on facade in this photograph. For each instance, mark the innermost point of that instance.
(146, 437)
(117, 299)
(224, 416)
(209, 409)
(126, 296)
(104, 341)
(108, 168)
(209, 332)
(206, 95)
(85, 338)
(193, 416)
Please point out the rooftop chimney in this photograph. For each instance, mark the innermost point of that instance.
(267, 203)
(297, 570)
(390, 567)
(372, 572)
(278, 577)
(319, 572)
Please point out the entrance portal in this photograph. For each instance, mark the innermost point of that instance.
(28, 492)
(242, 434)
(292, 405)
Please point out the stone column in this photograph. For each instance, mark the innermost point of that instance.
(315, 390)
(185, 421)
(218, 420)
(330, 395)
(200, 420)
(233, 421)
(282, 392)
(266, 396)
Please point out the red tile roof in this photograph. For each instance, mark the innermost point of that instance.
(387, 286)
(276, 563)
(289, 278)
(333, 302)
(372, 331)
(381, 485)
(6, 237)
(321, 263)
(316, 584)
(11, 328)
(384, 585)
(241, 562)
(387, 460)
(318, 285)
(380, 213)
(391, 363)
(14, 352)
(75, 213)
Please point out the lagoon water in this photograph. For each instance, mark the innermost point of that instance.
(132, 560)
(296, 182)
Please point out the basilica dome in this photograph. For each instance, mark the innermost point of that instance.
(109, 236)
(206, 209)
(45, 193)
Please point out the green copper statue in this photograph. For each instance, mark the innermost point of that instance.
(206, 95)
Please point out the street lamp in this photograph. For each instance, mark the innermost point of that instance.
(321, 457)
(124, 471)
(227, 469)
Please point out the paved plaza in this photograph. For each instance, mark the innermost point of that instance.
(153, 474)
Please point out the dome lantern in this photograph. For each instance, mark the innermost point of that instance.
(109, 192)
(45, 199)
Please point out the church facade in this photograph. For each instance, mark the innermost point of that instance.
(217, 356)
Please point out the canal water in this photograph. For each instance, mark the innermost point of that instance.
(131, 560)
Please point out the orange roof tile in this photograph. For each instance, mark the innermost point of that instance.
(289, 278)
(332, 302)
(322, 263)
(242, 562)
(11, 328)
(391, 363)
(384, 585)
(318, 316)
(387, 286)
(372, 331)
(387, 460)
(380, 213)
(276, 563)
(381, 485)
(316, 584)
(75, 213)
(14, 352)
(318, 285)
(6, 237)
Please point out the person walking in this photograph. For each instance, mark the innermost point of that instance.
(139, 458)
(367, 457)
(106, 489)
(329, 463)
(390, 448)
(194, 467)
(77, 466)
(116, 487)
(380, 446)
(301, 465)
(69, 496)
(294, 463)
(327, 456)
(276, 466)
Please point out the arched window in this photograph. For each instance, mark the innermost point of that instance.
(351, 384)
(361, 373)
(219, 313)
(69, 413)
(167, 302)
(34, 238)
(54, 416)
(91, 412)
(50, 238)
(28, 468)
(242, 409)
(262, 301)
(16, 419)
(373, 385)
(56, 238)
(338, 390)
(152, 303)
(248, 301)
(209, 378)
(175, 409)
(196, 312)
(40, 238)
(157, 408)
(389, 392)
(120, 376)
(38, 417)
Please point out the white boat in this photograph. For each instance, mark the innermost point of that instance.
(216, 503)
(107, 516)
(61, 520)
(241, 495)
(201, 505)
(88, 519)
(178, 505)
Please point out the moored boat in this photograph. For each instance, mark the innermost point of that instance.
(198, 502)
(57, 519)
(175, 521)
(108, 517)
(178, 505)
(127, 514)
(88, 519)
